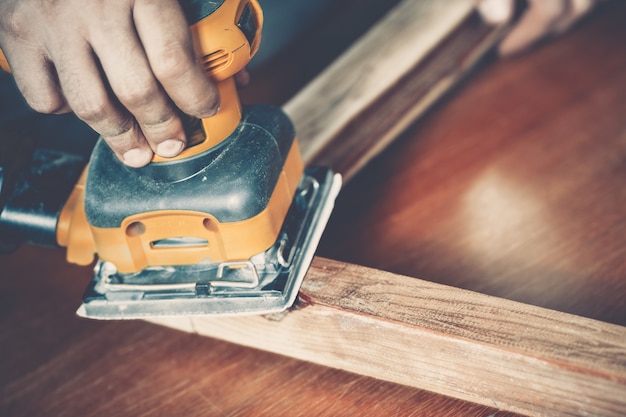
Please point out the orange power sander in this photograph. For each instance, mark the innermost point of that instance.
(228, 227)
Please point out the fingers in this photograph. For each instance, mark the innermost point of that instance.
(37, 80)
(162, 28)
(538, 21)
(541, 19)
(88, 95)
(152, 71)
(576, 10)
(33, 72)
(146, 121)
(496, 11)
(124, 69)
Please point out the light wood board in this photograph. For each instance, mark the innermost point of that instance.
(387, 80)
(483, 349)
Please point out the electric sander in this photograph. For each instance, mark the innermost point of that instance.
(228, 227)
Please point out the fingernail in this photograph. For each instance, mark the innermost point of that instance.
(137, 157)
(170, 148)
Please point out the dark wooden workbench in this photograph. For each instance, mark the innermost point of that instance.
(514, 186)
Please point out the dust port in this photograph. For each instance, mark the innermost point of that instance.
(135, 229)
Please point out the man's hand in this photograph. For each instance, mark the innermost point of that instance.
(123, 66)
(542, 19)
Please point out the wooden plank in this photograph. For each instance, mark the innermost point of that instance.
(483, 349)
(387, 80)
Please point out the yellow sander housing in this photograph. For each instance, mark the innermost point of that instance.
(227, 227)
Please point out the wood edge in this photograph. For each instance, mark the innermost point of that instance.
(424, 351)
(370, 128)
(382, 32)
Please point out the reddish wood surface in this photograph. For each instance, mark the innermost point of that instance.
(514, 186)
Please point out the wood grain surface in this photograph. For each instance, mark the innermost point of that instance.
(354, 93)
(514, 187)
(483, 349)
